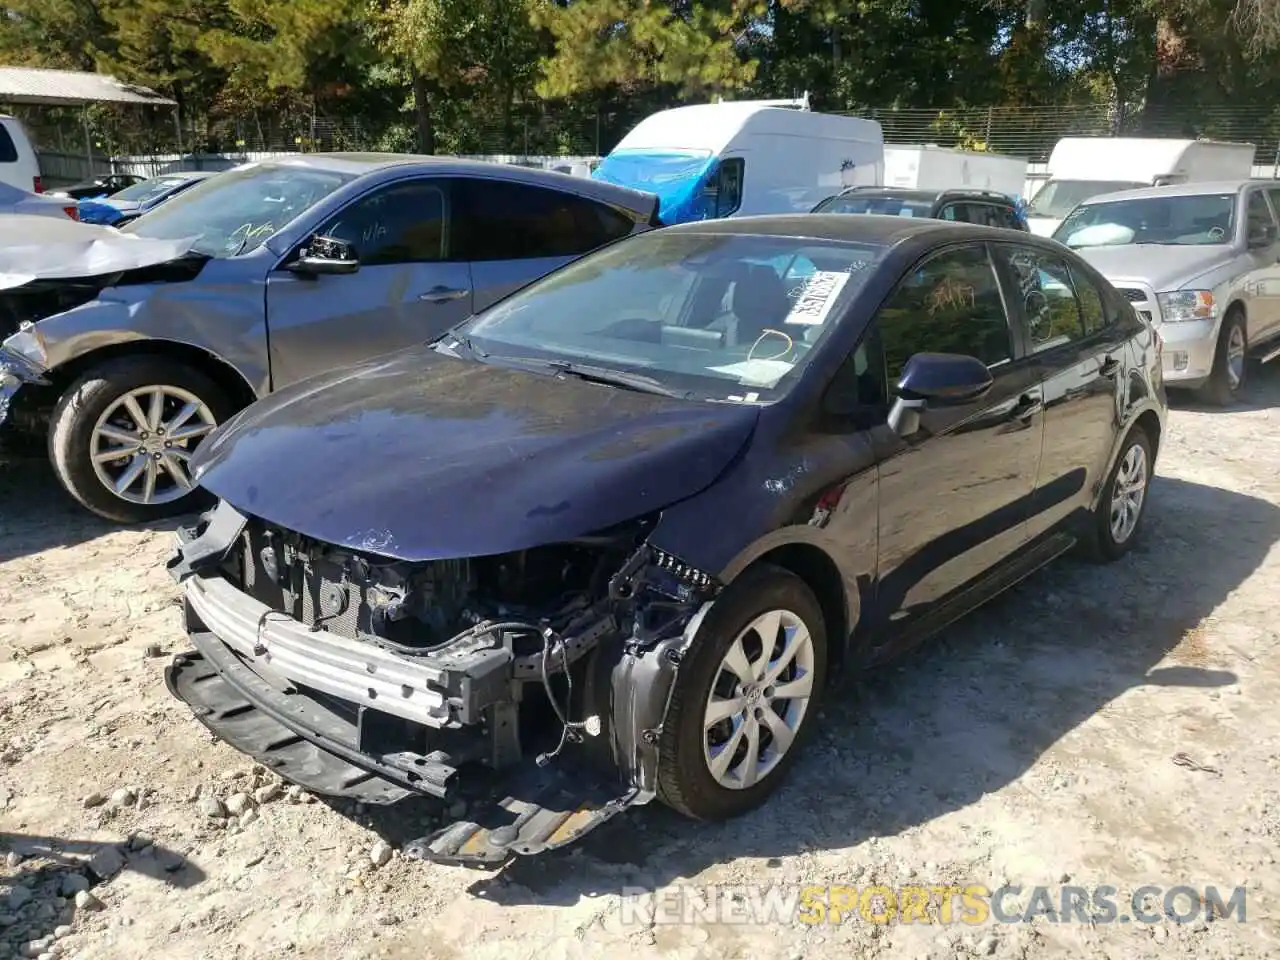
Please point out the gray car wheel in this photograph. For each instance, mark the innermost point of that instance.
(745, 696)
(1229, 361)
(1117, 520)
(123, 435)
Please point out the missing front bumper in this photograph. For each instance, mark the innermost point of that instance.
(531, 810)
(347, 718)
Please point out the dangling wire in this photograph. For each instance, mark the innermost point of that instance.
(569, 729)
(778, 333)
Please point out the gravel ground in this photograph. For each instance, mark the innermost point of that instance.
(1032, 744)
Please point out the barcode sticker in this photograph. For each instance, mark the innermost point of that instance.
(814, 302)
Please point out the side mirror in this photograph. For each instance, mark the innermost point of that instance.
(1263, 236)
(940, 379)
(326, 255)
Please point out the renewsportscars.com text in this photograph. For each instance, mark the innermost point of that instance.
(972, 904)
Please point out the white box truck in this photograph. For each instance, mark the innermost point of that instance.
(930, 167)
(1084, 167)
(751, 157)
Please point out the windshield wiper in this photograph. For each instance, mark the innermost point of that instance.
(593, 374)
(617, 378)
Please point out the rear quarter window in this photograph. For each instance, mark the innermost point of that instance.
(8, 149)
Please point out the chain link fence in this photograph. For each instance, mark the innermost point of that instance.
(546, 131)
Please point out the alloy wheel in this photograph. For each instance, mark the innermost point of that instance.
(1128, 492)
(758, 699)
(141, 445)
(1235, 356)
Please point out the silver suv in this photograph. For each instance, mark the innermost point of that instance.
(1202, 262)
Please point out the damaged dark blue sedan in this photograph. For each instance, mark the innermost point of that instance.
(606, 540)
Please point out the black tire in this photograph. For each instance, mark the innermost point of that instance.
(1218, 389)
(684, 781)
(88, 398)
(1102, 545)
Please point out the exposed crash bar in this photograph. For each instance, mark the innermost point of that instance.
(279, 646)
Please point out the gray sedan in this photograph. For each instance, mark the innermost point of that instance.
(126, 354)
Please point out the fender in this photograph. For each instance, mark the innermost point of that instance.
(220, 312)
(1132, 415)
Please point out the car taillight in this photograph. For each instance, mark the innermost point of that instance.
(72, 212)
(37, 185)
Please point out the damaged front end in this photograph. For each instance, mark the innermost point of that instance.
(29, 296)
(530, 685)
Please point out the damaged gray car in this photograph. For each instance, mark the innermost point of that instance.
(122, 350)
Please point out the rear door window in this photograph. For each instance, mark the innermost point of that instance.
(503, 220)
(1051, 312)
(1093, 310)
(8, 149)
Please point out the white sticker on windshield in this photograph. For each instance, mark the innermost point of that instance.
(756, 373)
(813, 303)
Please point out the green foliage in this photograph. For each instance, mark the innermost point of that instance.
(694, 47)
(481, 75)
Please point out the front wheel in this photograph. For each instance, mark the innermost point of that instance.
(1228, 373)
(745, 696)
(123, 434)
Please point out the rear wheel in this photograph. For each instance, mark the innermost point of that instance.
(1117, 520)
(1229, 366)
(745, 697)
(123, 434)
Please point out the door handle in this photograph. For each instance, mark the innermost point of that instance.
(1109, 367)
(442, 294)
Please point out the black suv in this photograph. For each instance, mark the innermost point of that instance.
(983, 207)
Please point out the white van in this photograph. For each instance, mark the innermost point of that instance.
(930, 167)
(751, 157)
(1084, 167)
(18, 165)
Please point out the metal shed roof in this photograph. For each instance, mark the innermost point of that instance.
(70, 87)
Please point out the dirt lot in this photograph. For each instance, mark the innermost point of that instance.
(1032, 744)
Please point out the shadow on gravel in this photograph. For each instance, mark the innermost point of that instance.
(36, 514)
(967, 714)
(1261, 392)
(40, 893)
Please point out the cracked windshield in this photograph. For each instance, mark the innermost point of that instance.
(238, 210)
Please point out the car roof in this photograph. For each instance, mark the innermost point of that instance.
(1193, 189)
(916, 193)
(871, 228)
(361, 164)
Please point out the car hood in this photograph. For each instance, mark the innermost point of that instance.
(1164, 266)
(47, 248)
(421, 456)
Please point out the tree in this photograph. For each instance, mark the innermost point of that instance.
(695, 47)
(1259, 20)
(307, 45)
(157, 43)
(71, 34)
